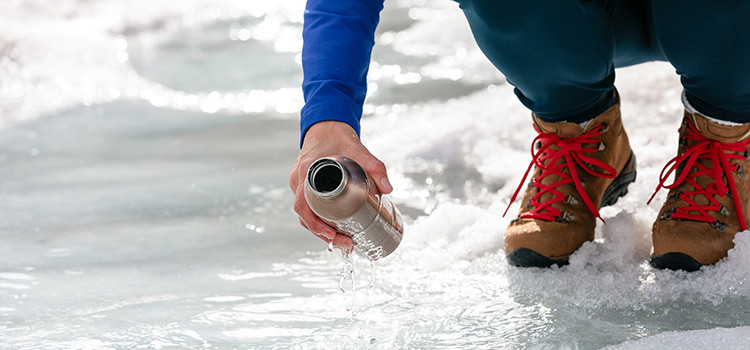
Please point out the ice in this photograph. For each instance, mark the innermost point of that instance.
(144, 200)
(733, 338)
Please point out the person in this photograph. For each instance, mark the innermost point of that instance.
(560, 56)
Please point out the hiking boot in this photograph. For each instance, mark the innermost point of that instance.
(704, 207)
(577, 170)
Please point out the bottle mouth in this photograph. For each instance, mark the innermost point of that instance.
(326, 177)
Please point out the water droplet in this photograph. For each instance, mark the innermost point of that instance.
(122, 56)
(212, 102)
(121, 43)
(214, 12)
(330, 246)
(243, 34)
(114, 93)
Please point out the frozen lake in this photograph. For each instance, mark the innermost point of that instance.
(144, 159)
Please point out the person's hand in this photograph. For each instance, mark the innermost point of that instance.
(328, 139)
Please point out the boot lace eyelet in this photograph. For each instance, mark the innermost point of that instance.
(719, 225)
(724, 211)
(566, 217)
(667, 214)
(605, 127)
(569, 199)
(601, 147)
(675, 197)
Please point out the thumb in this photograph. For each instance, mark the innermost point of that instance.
(376, 169)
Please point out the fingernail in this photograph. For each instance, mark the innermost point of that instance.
(386, 185)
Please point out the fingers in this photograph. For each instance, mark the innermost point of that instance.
(344, 243)
(376, 169)
(309, 220)
(303, 224)
(297, 174)
(322, 237)
(294, 179)
(320, 229)
(340, 241)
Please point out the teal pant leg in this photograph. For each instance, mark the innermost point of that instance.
(560, 55)
(708, 42)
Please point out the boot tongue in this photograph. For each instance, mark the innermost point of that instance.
(563, 130)
(719, 132)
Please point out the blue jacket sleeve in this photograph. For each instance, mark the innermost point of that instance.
(338, 38)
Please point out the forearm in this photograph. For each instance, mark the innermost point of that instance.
(338, 39)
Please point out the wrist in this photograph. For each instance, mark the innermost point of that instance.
(330, 129)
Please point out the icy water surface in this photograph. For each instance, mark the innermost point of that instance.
(144, 155)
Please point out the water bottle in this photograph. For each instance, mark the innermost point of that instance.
(341, 194)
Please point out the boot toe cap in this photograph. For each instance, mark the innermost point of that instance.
(556, 242)
(696, 240)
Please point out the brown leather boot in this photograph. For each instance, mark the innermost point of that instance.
(709, 199)
(577, 172)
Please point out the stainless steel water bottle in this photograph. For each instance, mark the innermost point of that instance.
(341, 194)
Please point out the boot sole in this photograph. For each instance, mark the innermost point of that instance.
(676, 261)
(524, 257)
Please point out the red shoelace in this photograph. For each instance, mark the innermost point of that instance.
(573, 153)
(719, 153)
